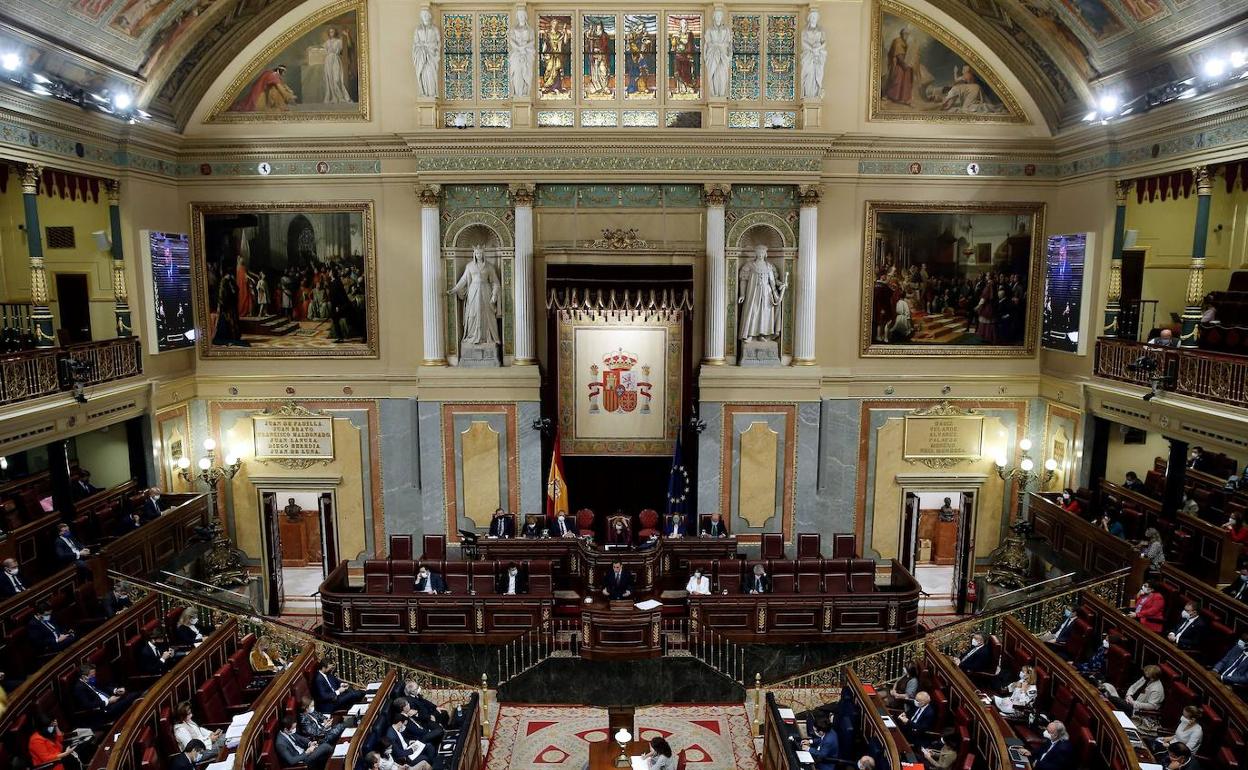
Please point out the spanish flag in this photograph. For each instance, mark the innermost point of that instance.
(556, 486)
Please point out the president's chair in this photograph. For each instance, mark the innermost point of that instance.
(649, 519)
(628, 526)
(585, 522)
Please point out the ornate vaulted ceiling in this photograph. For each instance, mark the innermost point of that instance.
(167, 51)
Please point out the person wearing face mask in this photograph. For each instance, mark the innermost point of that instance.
(151, 656)
(1094, 667)
(1237, 529)
(757, 582)
(1189, 733)
(1189, 506)
(295, 749)
(1190, 630)
(129, 523)
(1233, 668)
(191, 754)
(1150, 608)
(330, 693)
(315, 725)
(943, 754)
(405, 746)
(115, 601)
(1132, 482)
(1143, 699)
(1022, 693)
(45, 635)
(502, 525)
(1238, 589)
(978, 659)
(511, 582)
(1179, 756)
(1153, 549)
(714, 527)
(823, 745)
(1109, 523)
(47, 746)
(429, 582)
(188, 631)
(866, 763)
(562, 527)
(99, 703)
(67, 548)
(11, 582)
(919, 719)
(1058, 635)
(699, 584)
(1057, 753)
(675, 526)
(1069, 503)
(151, 507)
(187, 730)
(533, 528)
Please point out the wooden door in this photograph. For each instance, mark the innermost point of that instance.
(73, 300)
(272, 554)
(910, 532)
(964, 559)
(329, 533)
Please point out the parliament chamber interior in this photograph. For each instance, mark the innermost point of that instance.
(854, 385)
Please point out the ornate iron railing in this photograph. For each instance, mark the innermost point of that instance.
(28, 375)
(559, 638)
(1196, 373)
(682, 639)
(814, 688)
(106, 360)
(46, 371)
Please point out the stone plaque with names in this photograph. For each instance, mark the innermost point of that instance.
(293, 438)
(948, 437)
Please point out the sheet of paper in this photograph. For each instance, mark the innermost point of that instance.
(373, 687)
(648, 604)
(358, 709)
(348, 732)
(225, 764)
(340, 750)
(889, 723)
(786, 713)
(805, 758)
(639, 763)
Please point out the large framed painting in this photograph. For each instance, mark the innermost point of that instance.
(287, 280)
(921, 72)
(316, 71)
(952, 279)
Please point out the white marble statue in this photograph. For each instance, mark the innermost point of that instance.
(426, 53)
(814, 57)
(759, 292)
(478, 287)
(717, 55)
(521, 51)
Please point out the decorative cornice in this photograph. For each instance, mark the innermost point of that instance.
(717, 194)
(809, 195)
(430, 195)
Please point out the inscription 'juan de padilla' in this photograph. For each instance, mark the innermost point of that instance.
(293, 437)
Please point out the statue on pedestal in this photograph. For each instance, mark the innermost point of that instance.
(760, 294)
(717, 55)
(426, 53)
(814, 57)
(478, 287)
(521, 51)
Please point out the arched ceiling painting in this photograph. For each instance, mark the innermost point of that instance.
(1063, 51)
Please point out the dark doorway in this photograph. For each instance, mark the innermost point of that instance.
(1132, 289)
(74, 302)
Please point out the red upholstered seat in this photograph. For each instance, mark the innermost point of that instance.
(585, 522)
(1059, 709)
(435, 545)
(808, 545)
(773, 545)
(844, 546)
(1077, 639)
(861, 575)
(1117, 665)
(649, 519)
(403, 576)
(376, 576)
(456, 577)
(401, 547)
(809, 575)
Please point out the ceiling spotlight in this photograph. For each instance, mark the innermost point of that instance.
(1188, 94)
(40, 79)
(1214, 68)
(1239, 59)
(1109, 104)
(10, 61)
(1091, 116)
(122, 100)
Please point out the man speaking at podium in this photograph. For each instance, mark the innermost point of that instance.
(618, 583)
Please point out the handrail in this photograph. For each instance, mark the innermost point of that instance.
(1029, 589)
(251, 743)
(365, 726)
(872, 715)
(987, 738)
(1196, 373)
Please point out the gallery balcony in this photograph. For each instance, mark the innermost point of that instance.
(1186, 371)
(41, 372)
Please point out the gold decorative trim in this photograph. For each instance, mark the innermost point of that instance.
(619, 238)
(199, 269)
(714, 362)
(30, 178)
(220, 111)
(524, 362)
(449, 470)
(944, 409)
(871, 349)
(804, 362)
(433, 362)
(346, 616)
(1014, 111)
(788, 494)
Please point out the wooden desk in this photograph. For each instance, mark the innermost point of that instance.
(602, 754)
(620, 631)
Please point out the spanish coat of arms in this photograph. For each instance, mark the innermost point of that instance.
(620, 386)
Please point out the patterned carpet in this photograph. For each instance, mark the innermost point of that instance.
(713, 737)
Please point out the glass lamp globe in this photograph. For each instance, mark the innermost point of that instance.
(1050, 464)
(1027, 464)
(204, 462)
(184, 462)
(209, 445)
(1000, 461)
(1025, 445)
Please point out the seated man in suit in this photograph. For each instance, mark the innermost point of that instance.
(977, 659)
(405, 749)
(151, 509)
(1233, 668)
(189, 756)
(1061, 632)
(619, 533)
(618, 584)
(1057, 753)
(1238, 589)
(502, 525)
(427, 708)
(99, 703)
(1132, 482)
(115, 601)
(129, 523)
(1190, 630)
(676, 526)
(823, 745)
(67, 548)
(715, 527)
(330, 693)
(81, 487)
(562, 526)
(429, 582)
(294, 749)
(918, 719)
(513, 581)
(44, 635)
(757, 582)
(420, 727)
(151, 656)
(315, 725)
(11, 582)
(533, 527)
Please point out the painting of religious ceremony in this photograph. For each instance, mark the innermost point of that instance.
(294, 280)
(316, 71)
(920, 72)
(956, 279)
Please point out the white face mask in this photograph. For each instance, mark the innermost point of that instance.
(1242, 644)
(976, 642)
(1105, 644)
(1069, 613)
(424, 575)
(511, 572)
(1186, 615)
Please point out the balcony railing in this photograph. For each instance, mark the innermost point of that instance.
(46, 371)
(1195, 373)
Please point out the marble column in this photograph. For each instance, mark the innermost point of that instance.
(40, 313)
(1113, 304)
(121, 297)
(1196, 273)
(807, 272)
(431, 276)
(522, 277)
(716, 269)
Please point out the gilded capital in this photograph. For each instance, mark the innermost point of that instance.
(1204, 180)
(30, 178)
(717, 194)
(429, 195)
(113, 187)
(809, 194)
(522, 194)
(1121, 190)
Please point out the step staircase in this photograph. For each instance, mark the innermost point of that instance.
(267, 326)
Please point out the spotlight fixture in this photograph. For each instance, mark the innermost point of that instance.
(1108, 104)
(122, 101)
(1214, 69)
(10, 61)
(1239, 59)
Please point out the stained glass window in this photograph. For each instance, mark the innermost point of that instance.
(744, 119)
(641, 119)
(781, 66)
(746, 48)
(496, 118)
(494, 56)
(457, 56)
(684, 56)
(641, 64)
(599, 119)
(554, 56)
(598, 56)
(555, 118)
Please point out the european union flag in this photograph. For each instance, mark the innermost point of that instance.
(678, 486)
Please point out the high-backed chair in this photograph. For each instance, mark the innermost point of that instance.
(809, 545)
(861, 575)
(836, 576)
(376, 576)
(810, 576)
(649, 521)
(783, 580)
(585, 522)
(434, 547)
(401, 547)
(612, 522)
(456, 577)
(773, 545)
(402, 576)
(844, 546)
